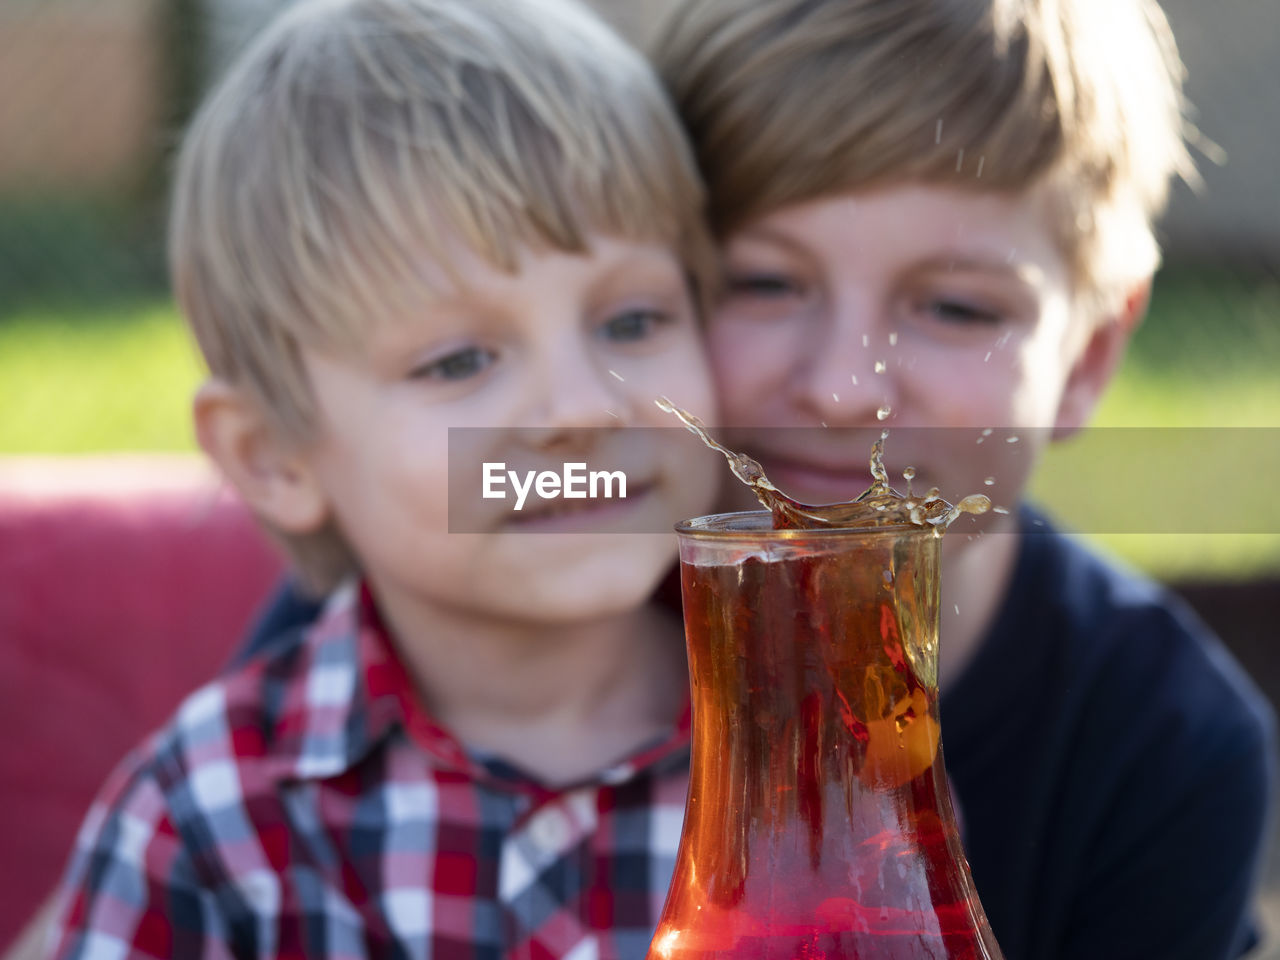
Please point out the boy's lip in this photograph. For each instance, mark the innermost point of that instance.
(829, 481)
(577, 516)
(822, 472)
(816, 482)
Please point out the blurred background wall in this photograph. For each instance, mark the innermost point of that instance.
(95, 91)
(81, 88)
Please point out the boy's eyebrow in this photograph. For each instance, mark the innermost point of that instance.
(958, 262)
(1020, 270)
(770, 234)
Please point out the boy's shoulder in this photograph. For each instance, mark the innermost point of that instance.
(294, 710)
(290, 710)
(202, 805)
(1117, 636)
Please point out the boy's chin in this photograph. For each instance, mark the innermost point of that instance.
(586, 576)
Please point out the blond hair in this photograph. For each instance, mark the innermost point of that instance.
(355, 136)
(790, 100)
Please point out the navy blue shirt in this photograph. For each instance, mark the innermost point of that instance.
(1113, 765)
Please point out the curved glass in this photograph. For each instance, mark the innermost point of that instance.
(818, 822)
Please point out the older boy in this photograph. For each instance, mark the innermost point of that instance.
(937, 214)
(392, 218)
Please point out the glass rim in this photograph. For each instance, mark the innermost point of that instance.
(756, 525)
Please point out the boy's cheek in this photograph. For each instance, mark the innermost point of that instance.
(746, 345)
(698, 480)
(746, 375)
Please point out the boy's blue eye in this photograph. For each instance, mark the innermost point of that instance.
(458, 365)
(766, 285)
(632, 325)
(960, 312)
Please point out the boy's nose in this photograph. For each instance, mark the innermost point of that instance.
(845, 373)
(575, 390)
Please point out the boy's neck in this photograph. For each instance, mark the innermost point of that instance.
(976, 577)
(561, 702)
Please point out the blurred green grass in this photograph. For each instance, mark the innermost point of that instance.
(119, 376)
(1208, 355)
(85, 379)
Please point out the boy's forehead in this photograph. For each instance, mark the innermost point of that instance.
(929, 226)
(448, 269)
(449, 279)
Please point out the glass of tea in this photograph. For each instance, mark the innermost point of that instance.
(818, 822)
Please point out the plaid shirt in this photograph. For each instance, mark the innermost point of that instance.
(306, 806)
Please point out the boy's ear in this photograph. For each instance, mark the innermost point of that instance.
(1097, 361)
(272, 477)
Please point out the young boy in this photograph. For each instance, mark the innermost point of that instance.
(936, 214)
(392, 218)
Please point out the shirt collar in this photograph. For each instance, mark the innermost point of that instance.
(351, 692)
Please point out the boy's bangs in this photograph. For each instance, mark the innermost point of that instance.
(386, 179)
(810, 116)
(361, 144)
(794, 101)
(492, 186)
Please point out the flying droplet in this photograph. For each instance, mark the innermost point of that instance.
(999, 510)
(835, 396)
(880, 368)
(866, 340)
(987, 432)
(990, 481)
(1010, 439)
(959, 159)
(893, 339)
(974, 504)
(612, 414)
(854, 378)
(981, 160)
(883, 413)
(617, 375)
(957, 607)
(987, 357)
(909, 474)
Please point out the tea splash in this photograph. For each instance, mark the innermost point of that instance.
(818, 823)
(878, 506)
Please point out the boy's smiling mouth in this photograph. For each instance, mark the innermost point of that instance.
(835, 477)
(561, 514)
(847, 475)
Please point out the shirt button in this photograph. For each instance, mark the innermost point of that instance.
(619, 774)
(549, 829)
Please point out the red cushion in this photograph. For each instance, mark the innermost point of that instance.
(125, 582)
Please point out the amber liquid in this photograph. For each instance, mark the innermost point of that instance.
(840, 841)
(819, 822)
